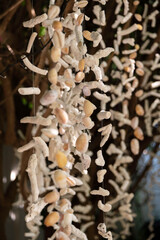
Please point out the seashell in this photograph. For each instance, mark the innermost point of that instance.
(61, 131)
(140, 72)
(52, 76)
(134, 122)
(139, 64)
(88, 108)
(61, 115)
(137, 47)
(134, 145)
(135, 83)
(139, 110)
(49, 97)
(52, 197)
(82, 143)
(136, 3)
(58, 39)
(64, 204)
(55, 54)
(68, 73)
(86, 91)
(138, 17)
(57, 25)
(60, 178)
(139, 93)
(87, 35)
(88, 123)
(61, 159)
(127, 69)
(79, 77)
(65, 50)
(50, 132)
(71, 181)
(81, 4)
(138, 133)
(51, 219)
(69, 83)
(139, 26)
(81, 65)
(80, 19)
(133, 55)
(53, 11)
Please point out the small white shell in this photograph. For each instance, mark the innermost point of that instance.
(49, 97)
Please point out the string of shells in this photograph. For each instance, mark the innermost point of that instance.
(66, 132)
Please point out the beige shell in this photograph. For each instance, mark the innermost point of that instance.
(58, 39)
(68, 73)
(127, 69)
(60, 178)
(136, 3)
(81, 65)
(52, 197)
(52, 76)
(139, 110)
(133, 55)
(88, 123)
(57, 25)
(82, 143)
(138, 133)
(140, 72)
(134, 145)
(55, 54)
(139, 26)
(53, 11)
(64, 204)
(79, 77)
(138, 17)
(69, 83)
(79, 19)
(61, 115)
(139, 93)
(51, 219)
(88, 108)
(81, 4)
(87, 35)
(61, 159)
(135, 83)
(134, 122)
(139, 64)
(65, 50)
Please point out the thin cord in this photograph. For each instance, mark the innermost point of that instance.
(33, 81)
(33, 75)
(103, 184)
